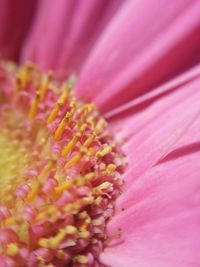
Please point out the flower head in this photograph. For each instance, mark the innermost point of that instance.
(67, 197)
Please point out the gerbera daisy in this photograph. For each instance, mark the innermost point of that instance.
(99, 133)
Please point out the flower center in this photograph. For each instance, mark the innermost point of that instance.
(13, 160)
(60, 172)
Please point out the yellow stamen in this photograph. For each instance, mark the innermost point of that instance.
(58, 105)
(23, 75)
(55, 241)
(12, 220)
(84, 234)
(111, 168)
(81, 259)
(89, 176)
(34, 191)
(12, 249)
(50, 212)
(17, 85)
(44, 85)
(100, 124)
(61, 188)
(70, 145)
(62, 126)
(89, 140)
(83, 127)
(34, 107)
(50, 164)
(74, 159)
(103, 152)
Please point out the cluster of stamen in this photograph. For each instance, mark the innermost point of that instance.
(60, 172)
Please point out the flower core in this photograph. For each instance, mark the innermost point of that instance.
(60, 172)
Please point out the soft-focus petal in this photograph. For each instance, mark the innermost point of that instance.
(160, 223)
(159, 135)
(15, 20)
(158, 214)
(71, 28)
(123, 112)
(131, 118)
(145, 44)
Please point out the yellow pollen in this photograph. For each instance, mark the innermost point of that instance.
(84, 234)
(55, 241)
(103, 152)
(100, 124)
(111, 168)
(12, 249)
(81, 259)
(89, 176)
(83, 127)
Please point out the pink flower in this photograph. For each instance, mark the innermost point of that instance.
(138, 61)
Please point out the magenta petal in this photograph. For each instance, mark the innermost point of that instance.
(160, 223)
(50, 25)
(132, 117)
(15, 20)
(64, 32)
(135, 105)
(146, 43)
(160, 134)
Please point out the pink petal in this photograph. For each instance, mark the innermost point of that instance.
(192, 135)
(132, 117)
(188, 143)
(160, 223)
(15, 20)
(132, 106)
(145, 44)
(71, 28)
(160, 134)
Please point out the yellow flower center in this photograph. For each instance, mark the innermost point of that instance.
(60, 172)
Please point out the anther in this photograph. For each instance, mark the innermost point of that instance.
(73, 160)
(104, 151)
(62, 126)
(70, 145)
(89, 140)
(34, 106)
(59, 104)
(44, 85)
